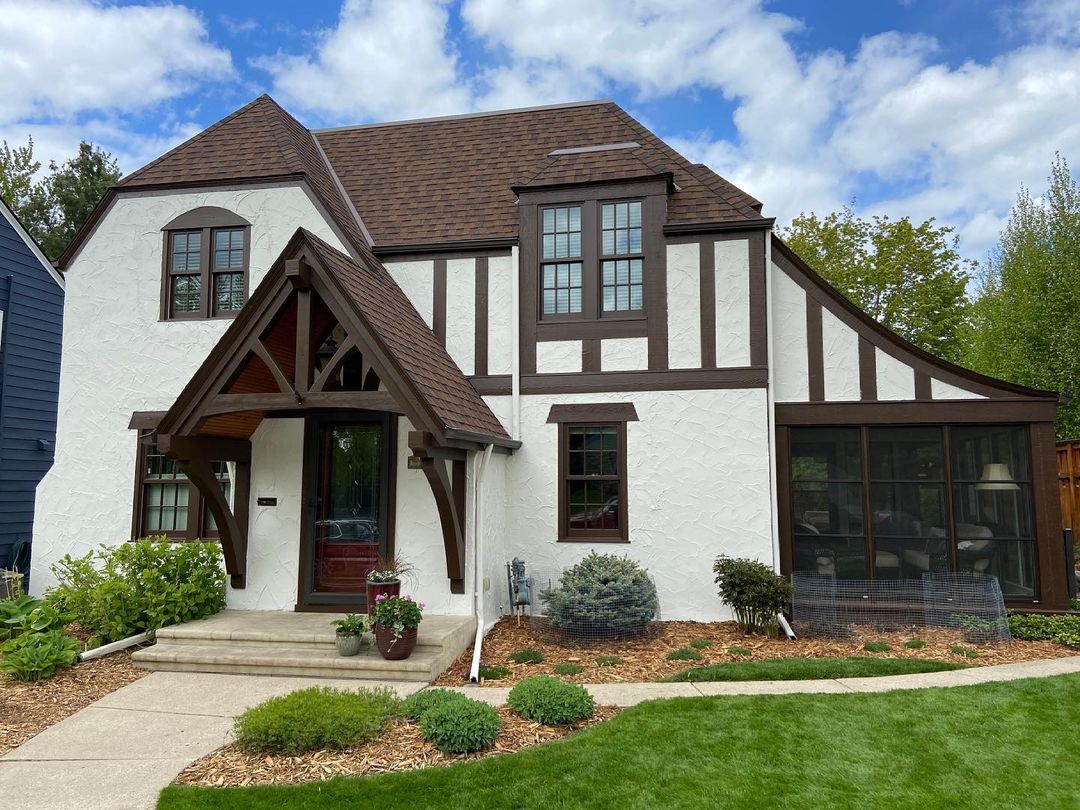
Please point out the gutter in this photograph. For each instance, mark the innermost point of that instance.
(478, 560)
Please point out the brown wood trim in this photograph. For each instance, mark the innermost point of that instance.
(343, 400)
(565, 533)
(587, 330)
(207, 216)
(922, 385)
(683, 228)
(438, 311)
(815, 360)
(145, 420)
(759, 323)
(937, 412)
(303, 351)
(1050, 542)
(672, 380)
(492, 385)
(867, 369)
(590, 355)
(707, 277)
(528, 282)
(598, 412)
(425, 251)
(654, 185)
(784, 504)
(654, 214)
(480, 351)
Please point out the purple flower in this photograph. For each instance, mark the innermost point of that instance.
(379, 597)
(408, 598)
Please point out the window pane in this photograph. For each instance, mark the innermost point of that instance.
(635, 214)
(990, 453)
(617, 278)
(620, 215)
(906, 454)
(908, 510)
(549, 245)
(609, 299)
(1011, 561)
(562, 288)
(621, 230)
(185, 252)
(608, 216)
(841, 557)
(228, 292)
(635, 240)
(910, 558)
(575, 219)
(828, 508)
(826, 454)
(993, 510)
(561, 219)
(621, 242)
(560, 245)
(186, 293)
(609, 242)
(574, 244)
(549, 220)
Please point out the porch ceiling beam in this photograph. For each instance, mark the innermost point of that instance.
(363, 400)
(448, 487)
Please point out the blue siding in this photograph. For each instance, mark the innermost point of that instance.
(33, 307)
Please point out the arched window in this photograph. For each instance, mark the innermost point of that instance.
(205, 264)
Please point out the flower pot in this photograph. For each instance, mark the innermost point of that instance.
(349, 643)
(375, 588)
(393, 650)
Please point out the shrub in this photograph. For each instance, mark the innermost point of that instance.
(1062, 629)
(877, 646)
(490, 673)
(1074, 604)
(700, 643)
(608, 660)
(735, 649)
(915, 644)
(118, 592)
(545, 699)
(26, 614)
(418, 703)
(36, 656)
(603, 595)
(461, 726)
(315, 718)
(753, 591)
(568, 668)
(684, 654)
(527, 657)
(963, 652)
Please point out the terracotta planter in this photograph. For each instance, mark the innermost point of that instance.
(393, 650)
(349, 643)
(375, 588)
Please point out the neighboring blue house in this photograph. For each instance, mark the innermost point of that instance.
(31, 327)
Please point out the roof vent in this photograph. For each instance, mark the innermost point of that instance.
(604, 147)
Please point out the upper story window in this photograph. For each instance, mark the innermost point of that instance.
(206, 264)
(560, 259)
(621, 278)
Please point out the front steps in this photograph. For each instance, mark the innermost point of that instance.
(258, 642)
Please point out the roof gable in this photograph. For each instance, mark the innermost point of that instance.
(32, 246)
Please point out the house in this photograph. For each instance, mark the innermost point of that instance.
(533, 333)
(31, 311)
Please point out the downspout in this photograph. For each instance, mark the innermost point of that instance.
(515, 343)
(770, 398)
(478, 560)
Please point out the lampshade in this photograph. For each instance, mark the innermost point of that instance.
(996, 477)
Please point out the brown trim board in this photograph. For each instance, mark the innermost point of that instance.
(438, 304)
(955, 412)
(867, 370)
(707, 297)
(480, 350)
(599, 412)
(815, 359)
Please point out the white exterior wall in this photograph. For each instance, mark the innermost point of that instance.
(417, 281)
(500, 323)
(119, 357)
(790, 369)
(684, 305)
(624, 354)
(895, 380)
(840, 359)
(558, 356)
(461, 313)
(732, 293)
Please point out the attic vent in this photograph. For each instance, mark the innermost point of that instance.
(605, 147)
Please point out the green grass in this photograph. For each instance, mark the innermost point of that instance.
(963, 652)
(803, 669)
(684, 654)
(492, 673)
(992, 745)
(608, 660)
(700, 643)
(877, 646)
(915, 644)
(527, 657)
(736, 649)
(568, 668)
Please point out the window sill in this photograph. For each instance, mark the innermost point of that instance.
(593, 540)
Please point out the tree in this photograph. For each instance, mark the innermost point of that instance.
(1026, 325)
(908, 277)
(54, 207)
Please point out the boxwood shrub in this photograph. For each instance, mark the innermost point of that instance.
(1061, 629)
(603, 595)
(460, 726)
(545, 699)
(315, 718)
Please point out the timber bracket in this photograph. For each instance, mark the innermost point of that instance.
(444, 468)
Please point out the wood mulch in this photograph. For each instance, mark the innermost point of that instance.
(29, 708)
(398, 748)
(644, 659)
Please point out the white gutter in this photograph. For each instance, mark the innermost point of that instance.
(478, 560)
(515, 343)
(770, 398)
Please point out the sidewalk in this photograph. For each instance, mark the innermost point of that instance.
(119, 752)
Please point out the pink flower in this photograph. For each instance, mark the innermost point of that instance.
(408, 598)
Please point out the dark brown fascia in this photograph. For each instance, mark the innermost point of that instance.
(666, 177)
(765, 223)
(403, 250)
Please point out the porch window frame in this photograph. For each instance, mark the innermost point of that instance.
(196, 507)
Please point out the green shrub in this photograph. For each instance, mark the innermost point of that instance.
(490, 673)
(602, 595)
(545, 699)
(527, 657)
(915, 644)
(684, 654)
(1062, 629)
(461, 726)
(735, 649)
(315, 718)
(877, 646)
(568, 668)
(418, 703)
(133, 587)
(963, 652)
(700, 643)
(26, 614)
(37, 656)
(608, 660)
(1074, 604)
(754, 592)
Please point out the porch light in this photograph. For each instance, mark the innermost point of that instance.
(327, 350)
(996, 477)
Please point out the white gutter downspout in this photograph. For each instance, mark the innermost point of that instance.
(515, 343)
(770, 398)
(478, 561)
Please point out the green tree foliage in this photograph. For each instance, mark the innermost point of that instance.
(1027, 316)
(908, 277)
(54, 207)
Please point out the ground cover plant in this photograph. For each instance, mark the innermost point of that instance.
(550, 701)
(1062, 629)
(527, 657)
(990, 745)
(963, 652)
(684, 654)
(800, 669)
(36, 656)
(877, 646)
(915, 644)
(490, 673)
(701, 644)
(608, 660)
(568, 668)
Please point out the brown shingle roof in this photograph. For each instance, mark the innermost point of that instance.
(597, 167)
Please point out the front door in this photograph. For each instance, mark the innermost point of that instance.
(348, 509)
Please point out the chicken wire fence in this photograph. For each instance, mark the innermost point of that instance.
(823, 605)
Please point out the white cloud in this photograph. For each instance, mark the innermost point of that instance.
(62, 57)
(1050, 20)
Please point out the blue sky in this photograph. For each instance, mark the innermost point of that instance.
(925, 108)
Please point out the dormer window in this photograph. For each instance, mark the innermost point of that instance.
(561, 260)
(621, 278)
(206, 265)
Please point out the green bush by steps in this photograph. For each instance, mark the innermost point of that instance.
(460, 726)
(548, 700)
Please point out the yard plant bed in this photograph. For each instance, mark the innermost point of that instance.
(29, 708)
(399, 747)
(646, 659)
(993, 745)
(804, 669)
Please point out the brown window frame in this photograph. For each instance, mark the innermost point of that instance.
(207, 222)
(197, 513)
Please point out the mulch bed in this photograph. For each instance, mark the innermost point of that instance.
(644, 659)
(29, 708)
(398, 748)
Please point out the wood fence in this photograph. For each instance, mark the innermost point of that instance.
(1068, 458)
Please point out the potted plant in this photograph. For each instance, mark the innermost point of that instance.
(350, 633)
(394, 623)
(385, 578)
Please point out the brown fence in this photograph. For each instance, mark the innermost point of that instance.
(1068, 458)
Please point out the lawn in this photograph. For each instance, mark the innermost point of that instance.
(802, 669)
(994, 745)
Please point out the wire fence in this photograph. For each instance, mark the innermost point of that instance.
(971, 603)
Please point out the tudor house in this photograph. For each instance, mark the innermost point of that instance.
(533, 333)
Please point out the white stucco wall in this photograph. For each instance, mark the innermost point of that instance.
(500, 312)
(732, 293)
(461, 313)
(840, 355)
(558, 356)
(624, 354)
(790, 369)
(895, 380)
(119, 358)
(943, 390)
(417, 281)
(684, 306)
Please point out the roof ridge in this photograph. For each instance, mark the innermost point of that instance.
(461, 116)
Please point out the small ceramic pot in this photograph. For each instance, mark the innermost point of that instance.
(393, 650)
(349, 643)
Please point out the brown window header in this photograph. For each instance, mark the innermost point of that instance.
(600, 412)
(207, 216)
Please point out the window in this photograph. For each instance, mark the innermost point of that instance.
(561, 239)
(593, 487)
(206, 263)
(166, 503)
(621, 279)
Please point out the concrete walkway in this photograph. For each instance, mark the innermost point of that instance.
(119, 752)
